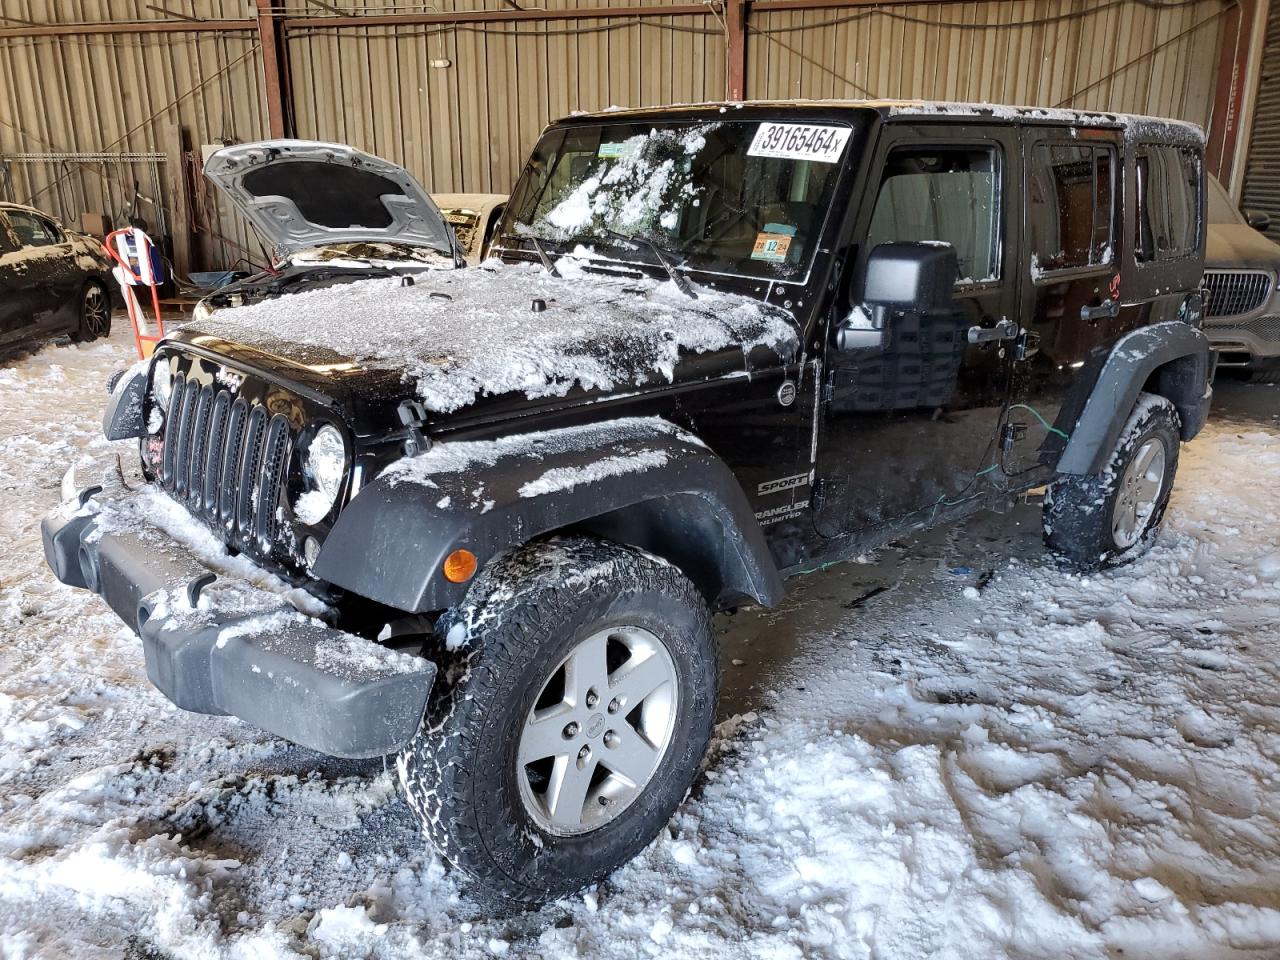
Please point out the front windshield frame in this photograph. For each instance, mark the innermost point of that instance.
(604, 251)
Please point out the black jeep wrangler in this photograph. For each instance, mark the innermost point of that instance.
(481, 520)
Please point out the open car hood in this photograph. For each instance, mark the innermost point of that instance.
(303, 193)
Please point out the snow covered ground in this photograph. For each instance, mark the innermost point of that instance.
(949, 754)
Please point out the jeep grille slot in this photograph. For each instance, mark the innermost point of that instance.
(1236, 292)
(227, 460)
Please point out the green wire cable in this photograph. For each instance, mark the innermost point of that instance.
(1043, 422)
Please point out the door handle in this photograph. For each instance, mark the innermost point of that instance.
(1004, 330)
(1107, 308)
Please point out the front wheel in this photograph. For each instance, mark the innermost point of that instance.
(95, 314)
(1112, 518)
(568, 721)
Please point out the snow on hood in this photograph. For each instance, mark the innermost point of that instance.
(469, 333)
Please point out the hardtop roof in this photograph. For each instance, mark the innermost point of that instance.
(1136, 126)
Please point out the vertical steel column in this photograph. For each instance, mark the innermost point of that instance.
(735, 15)
(1228, 99)
(273, 69)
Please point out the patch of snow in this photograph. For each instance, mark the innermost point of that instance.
(559, 479)
(312, 507)
(616, 446)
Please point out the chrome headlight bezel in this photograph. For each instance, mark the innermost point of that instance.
(201, 311)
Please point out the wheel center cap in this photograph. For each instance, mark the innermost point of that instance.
(595, 725)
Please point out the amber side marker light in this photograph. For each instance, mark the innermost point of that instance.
(460, 566)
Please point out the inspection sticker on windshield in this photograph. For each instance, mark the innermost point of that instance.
(799, 141)
(772, 247)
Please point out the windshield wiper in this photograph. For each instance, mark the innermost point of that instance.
(678, 278)
(525, 232)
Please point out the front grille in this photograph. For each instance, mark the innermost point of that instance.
(226, 459)
(1236, 292)
(1266, 328)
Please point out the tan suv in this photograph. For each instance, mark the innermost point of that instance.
(1242, 318)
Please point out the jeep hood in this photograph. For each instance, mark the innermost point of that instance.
(303, 193)
(1239, 245)
(509, 331)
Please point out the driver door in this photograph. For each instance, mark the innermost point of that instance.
(909, 429)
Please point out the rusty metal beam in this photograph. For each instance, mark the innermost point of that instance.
(735, 19)
(1229, 94)
(291, 24)
(768, 5)
(273, 86)
(136, 26)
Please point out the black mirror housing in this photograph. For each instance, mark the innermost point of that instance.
(911, 277)
(1258, 220)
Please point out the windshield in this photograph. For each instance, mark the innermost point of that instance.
(734, 197)
(1221, 209)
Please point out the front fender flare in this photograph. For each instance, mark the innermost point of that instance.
(640, 480)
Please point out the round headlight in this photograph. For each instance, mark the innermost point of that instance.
(201, 311)
(161, 384)
(322, 469)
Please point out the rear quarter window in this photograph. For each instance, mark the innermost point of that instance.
(1169, 182)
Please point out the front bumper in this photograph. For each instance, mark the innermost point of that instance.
(216, 645)
(1248, 340)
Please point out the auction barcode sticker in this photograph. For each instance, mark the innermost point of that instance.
(799, 141)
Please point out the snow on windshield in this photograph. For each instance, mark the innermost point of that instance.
(640, 191)
(468, 333)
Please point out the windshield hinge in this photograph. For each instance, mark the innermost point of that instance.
(414, 416)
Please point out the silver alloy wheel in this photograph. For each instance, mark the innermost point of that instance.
(1139, 492)
(97, 311)
(597, 734)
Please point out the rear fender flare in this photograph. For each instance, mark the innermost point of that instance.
(1172, 359)
(639, 481)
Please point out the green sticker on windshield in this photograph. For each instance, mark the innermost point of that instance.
(612, 151)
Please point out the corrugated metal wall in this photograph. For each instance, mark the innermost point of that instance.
(468, 125)
(1130, 58)
(127, 93)
(460, 104)
(1262, 172)
(461, 107)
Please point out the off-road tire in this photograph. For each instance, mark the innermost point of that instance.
(92, 324)
(1078, 510)
(521, 617)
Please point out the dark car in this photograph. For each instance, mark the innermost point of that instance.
(52, 280)
(331, 214)
(722, 345)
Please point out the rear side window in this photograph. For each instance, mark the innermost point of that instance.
(1070, 205)
(1168, 214)
(942, 194)
(33, 231)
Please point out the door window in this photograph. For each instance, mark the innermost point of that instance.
(1168, 203)
(934, 193)
(1070, 206)
(33, 231)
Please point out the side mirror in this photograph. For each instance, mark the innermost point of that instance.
(907, 277)
(1258, 220)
